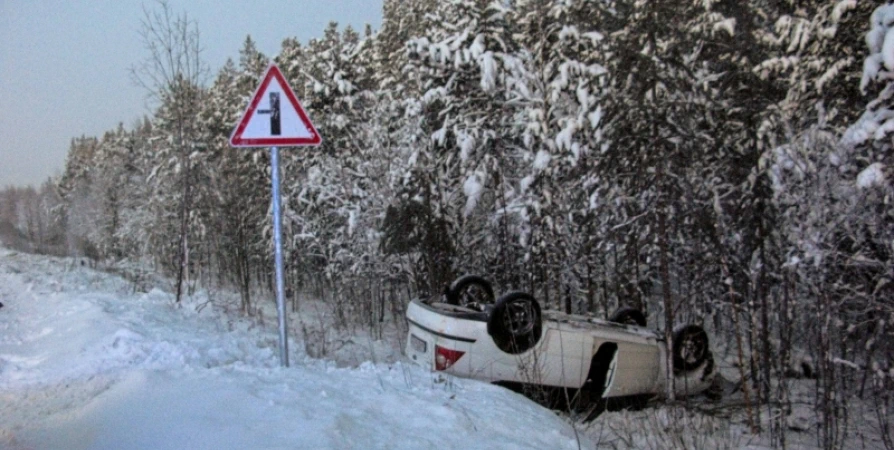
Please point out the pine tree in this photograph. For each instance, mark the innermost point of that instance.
(461, 68)
(559, 95)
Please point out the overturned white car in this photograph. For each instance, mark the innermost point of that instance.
(510, 341)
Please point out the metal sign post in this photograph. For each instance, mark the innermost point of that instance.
(289, 126)
(277, 256)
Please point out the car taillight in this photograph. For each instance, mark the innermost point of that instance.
(444, 357)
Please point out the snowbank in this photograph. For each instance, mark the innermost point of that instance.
(85, 364)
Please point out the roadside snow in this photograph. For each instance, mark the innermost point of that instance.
(86, 364)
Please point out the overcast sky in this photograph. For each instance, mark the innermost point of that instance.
(64, 64)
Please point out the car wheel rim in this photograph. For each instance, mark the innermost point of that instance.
(474, 294)
(691, 349)
(519, 320)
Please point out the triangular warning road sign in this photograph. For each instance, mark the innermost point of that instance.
(274, 117)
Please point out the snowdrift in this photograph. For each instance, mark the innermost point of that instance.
(87, 364)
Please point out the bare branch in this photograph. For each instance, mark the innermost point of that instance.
(173, 52)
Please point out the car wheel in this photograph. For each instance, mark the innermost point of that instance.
(515, 322)
(628, 316)
(690, 348)
(470, 289)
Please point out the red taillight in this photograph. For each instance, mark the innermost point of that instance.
(444, 357)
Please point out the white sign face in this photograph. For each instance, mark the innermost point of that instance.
(274, 117)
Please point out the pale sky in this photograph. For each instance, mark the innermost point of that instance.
(64, 64)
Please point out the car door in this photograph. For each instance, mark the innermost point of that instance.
(560, 358)
(635, 368)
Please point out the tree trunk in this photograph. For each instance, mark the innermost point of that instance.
(668, 300)
(182, 272)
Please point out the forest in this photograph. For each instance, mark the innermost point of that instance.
(720, 162)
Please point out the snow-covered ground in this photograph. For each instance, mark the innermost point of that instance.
(85, 363)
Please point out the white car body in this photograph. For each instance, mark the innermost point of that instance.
(563, 356)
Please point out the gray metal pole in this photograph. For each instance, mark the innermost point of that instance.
(277, 242)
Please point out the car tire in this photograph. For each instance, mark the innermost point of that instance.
(456, 289)
(628, 316)
(691, 348)
(515, 323)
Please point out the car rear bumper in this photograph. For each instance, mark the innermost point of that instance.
(429, 328)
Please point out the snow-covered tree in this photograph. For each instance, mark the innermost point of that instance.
(462, 68)
(558, 93)
(834, 197)
(173, 73)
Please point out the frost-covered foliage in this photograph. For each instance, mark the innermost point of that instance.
(460, 168)
(834, 196)
(814, 54)
(666, 428)
(558, 93)
(30, 219)
(725, 163)
(876, 126)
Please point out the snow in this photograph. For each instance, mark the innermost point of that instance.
(488, 72)
(880, 40)
(525, 183)
(593, 202)
(595, 117)
(833, 71)
(888, 49)
(871, 176)
(865, 127)
(440, 136)
(568, 32)
(352, 222)
(841, 8)
(565, 137)
(594, 36)
(466, 145)
(541, 161)
(85, 363)
(477, 48)
(882, 19)
(727, 25)
(472, 188)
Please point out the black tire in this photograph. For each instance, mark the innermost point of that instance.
(628, 316)
(459, 291)
(515, 322)
(691, 348)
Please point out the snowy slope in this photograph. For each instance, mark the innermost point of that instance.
(86, 364)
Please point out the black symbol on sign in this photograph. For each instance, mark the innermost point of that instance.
(274, 113)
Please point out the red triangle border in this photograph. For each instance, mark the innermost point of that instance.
(236, 139)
